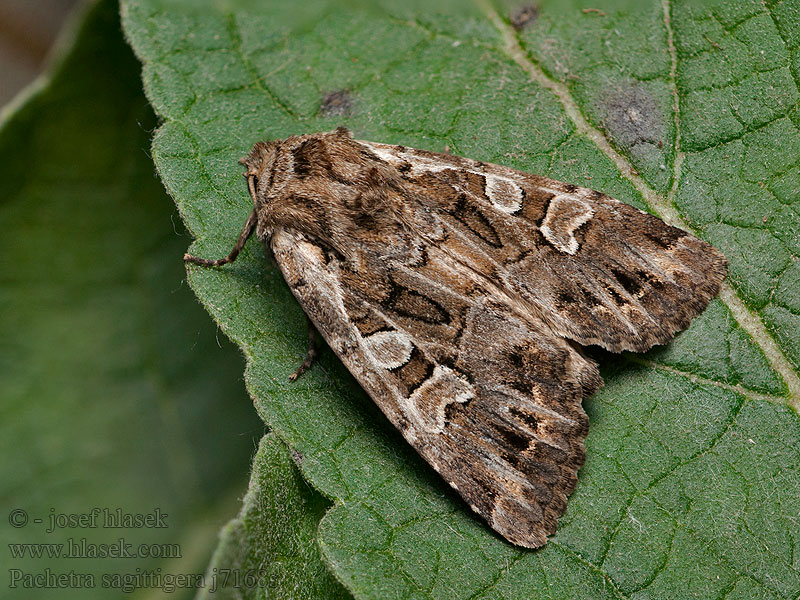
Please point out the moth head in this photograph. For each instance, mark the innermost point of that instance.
(264, 170)
(270, 165)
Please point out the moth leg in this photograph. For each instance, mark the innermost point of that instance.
(247, 231)
(312, 353)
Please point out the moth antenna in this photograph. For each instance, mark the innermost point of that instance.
(247, 231)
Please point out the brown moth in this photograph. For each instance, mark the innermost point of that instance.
(459, 293)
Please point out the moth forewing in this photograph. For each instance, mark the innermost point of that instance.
(456, 291)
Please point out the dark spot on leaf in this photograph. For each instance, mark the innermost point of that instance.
(523, 16)
(337, 104)
(297, 457)
(632, 116)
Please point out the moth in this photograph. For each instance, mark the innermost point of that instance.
(460, 293)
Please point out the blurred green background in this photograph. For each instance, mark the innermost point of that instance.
(117, 391)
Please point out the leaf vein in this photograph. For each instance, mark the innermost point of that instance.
(751, 323)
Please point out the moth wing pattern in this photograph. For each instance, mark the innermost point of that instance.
(458, 293)
(501, 422)
(602, 272)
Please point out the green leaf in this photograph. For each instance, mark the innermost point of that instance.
(115, 392)
(269, 550)
(692, 484)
